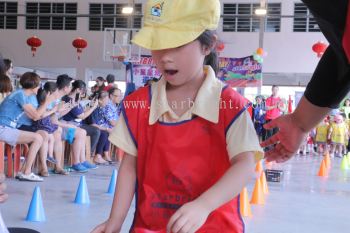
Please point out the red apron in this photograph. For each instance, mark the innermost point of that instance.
(177, 162)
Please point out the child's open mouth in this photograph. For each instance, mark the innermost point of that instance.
(170, 72)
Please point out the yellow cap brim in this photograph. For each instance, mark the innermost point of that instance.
(154, 38)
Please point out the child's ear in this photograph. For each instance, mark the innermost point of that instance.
(208, 50)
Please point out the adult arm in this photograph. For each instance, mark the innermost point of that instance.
(329, 84)
(293, 129)
(36, 114)
(88, 112)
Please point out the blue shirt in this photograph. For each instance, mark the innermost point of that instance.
(74, 112)
(24, 119)
(11, 109)
(110, 112)
(99, 118)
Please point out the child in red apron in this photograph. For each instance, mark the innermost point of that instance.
(189, 139)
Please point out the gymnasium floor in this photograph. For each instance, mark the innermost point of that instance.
(301, 203)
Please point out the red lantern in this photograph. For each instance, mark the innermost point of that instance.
(220, 47)
(34, 42)
(319, 48)
(80, 44)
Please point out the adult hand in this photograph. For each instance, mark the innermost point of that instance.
(3, 195)
(189, 218)
(106, 227)
(287, 140)
(65, 106)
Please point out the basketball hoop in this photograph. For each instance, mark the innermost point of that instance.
(120, 58)
(117, 46)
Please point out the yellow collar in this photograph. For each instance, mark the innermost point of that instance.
(206, 104)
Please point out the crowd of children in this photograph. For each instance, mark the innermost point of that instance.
(331, 135)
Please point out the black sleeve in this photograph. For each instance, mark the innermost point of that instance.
(330, 82)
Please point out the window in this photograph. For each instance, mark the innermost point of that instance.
(137, 20)
(273, 24)
(116, 20)
(8, 22)
(245, 21)
(303, 19)
(59, 22)
(229, 23)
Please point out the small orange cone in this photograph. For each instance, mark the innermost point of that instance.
(327, 160)
(323, 170)
(264, 183)
(258, 194)
(244, 204)
(258, 167)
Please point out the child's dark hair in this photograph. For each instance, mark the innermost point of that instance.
(41, 95)
(78, 84)
(49, 87)
(208, 38)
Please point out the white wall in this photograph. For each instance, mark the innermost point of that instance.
(288, 52)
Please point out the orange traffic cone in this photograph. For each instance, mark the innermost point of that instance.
(327, 160)
(258, 167)
(264, 183)
(323, 170)
(244, 204)
(258, 194)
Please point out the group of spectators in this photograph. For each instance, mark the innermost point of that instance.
(43, 114)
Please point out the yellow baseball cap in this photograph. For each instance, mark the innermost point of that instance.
(173, 23)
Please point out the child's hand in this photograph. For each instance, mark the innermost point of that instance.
(189, 218)
(106, 227)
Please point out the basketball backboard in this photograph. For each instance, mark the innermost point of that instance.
(117, 45)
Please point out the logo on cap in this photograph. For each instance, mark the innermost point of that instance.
(157, 9)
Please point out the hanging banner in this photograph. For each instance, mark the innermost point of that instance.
(240, 72)
(236, 72)
(144, 71)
